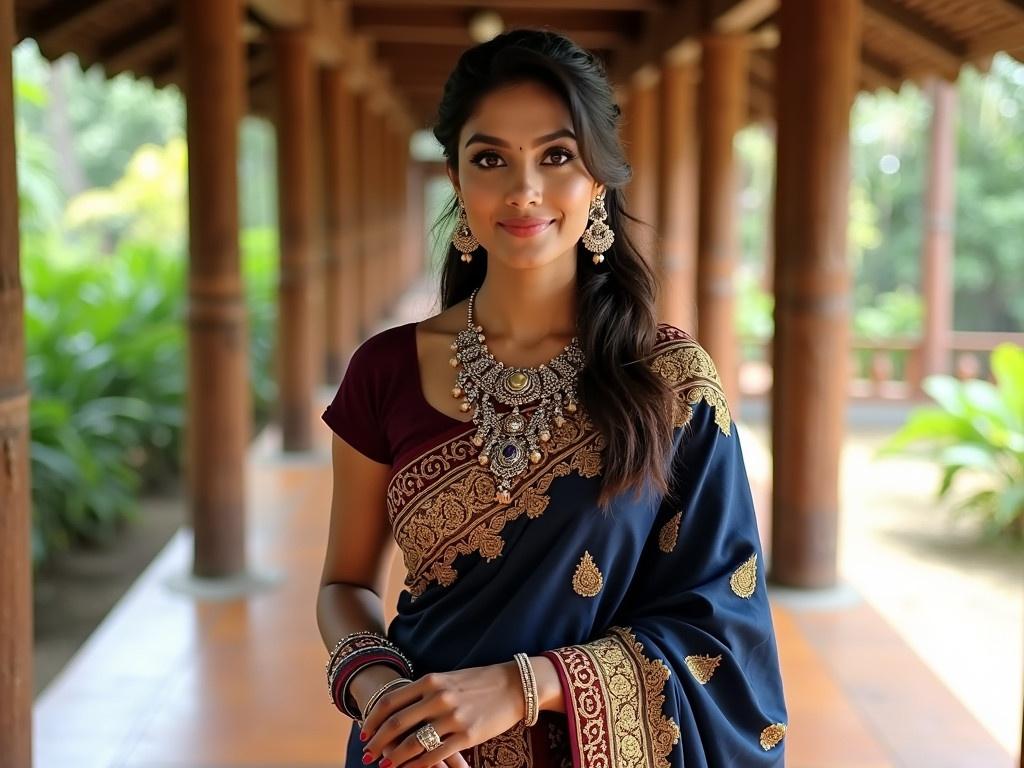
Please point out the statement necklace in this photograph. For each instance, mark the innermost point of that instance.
(510, 442)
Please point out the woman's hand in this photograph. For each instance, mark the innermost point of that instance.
(465, 706)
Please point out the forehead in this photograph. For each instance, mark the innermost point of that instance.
(519, 112)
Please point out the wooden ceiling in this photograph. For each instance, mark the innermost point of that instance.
(408, 47)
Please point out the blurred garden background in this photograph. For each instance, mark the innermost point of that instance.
(102, 192)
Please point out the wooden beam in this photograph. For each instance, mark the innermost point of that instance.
(669, 27)
(649, 6)
(937, 43)
(1007, 39)
(879, 73)
(58, 18)
(142, 42)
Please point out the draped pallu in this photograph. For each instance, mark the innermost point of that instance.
(655, 615)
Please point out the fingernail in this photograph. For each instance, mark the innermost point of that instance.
(385, 763)
(363, 735)
(367, 758)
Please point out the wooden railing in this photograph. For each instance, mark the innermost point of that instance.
(889, 369)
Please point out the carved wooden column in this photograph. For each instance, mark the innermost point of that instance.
(939, 214)
(295, 128)
(16, 678)
(644, 114)
(677, 197)
(219, 408)
(723, 110)
(335, 119)
(818, 61)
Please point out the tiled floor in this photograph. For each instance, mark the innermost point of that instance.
(169, 680)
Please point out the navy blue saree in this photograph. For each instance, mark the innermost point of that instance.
(655, 617)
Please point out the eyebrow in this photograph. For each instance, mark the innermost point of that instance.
(485, 139)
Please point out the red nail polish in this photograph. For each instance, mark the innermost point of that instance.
(367, 758)
(385, 763)
(363, 735)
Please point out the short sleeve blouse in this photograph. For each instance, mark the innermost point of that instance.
(355, 414)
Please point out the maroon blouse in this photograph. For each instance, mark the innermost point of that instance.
(379, 408)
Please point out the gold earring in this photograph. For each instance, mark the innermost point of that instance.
(598, 236)
(462, 238)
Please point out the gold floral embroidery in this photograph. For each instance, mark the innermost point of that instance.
(617, 696)
(669, 533)
(587, 581)
(441, 504)
(511, 749)
(692, 373)
(772, 735)
(744, 579)
(703, 667)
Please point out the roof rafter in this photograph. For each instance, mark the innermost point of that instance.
(938, 44)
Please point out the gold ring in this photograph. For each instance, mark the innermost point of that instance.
(427, 737)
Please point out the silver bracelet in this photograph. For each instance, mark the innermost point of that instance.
(379, 693)
(530, 693)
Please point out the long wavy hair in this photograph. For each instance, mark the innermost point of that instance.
(628, 403)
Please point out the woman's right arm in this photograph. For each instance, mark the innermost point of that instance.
(357, 559)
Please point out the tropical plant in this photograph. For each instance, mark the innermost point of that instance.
(978, 426)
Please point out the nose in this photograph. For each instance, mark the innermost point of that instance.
(525, 190)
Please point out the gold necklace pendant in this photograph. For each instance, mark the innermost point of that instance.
(510, 440)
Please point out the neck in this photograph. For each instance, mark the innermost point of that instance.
(525, 306)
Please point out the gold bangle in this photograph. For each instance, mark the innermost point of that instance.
(530, 693)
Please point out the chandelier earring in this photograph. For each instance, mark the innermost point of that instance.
(598, 236)
(463, 238)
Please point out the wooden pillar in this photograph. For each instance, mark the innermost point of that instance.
(219, 409)
(348, 217)
(677, 177)
(369, 186)
(723, 110)
(644, 157)
(817, 67)
(334, 117)
(16, 686)
(939, 215)
(295, 128)
(318, 238)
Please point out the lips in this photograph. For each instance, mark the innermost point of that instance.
(525, 227)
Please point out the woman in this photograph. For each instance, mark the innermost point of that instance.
(559, 470)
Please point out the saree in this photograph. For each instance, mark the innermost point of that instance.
(656, 616)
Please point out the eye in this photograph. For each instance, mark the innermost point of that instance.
(569, 156)
(480, 157)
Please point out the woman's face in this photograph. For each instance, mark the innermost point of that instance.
(518, 158)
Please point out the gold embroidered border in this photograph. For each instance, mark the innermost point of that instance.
(692, 373)
(441, 505)
(511, 749)
(617, 697)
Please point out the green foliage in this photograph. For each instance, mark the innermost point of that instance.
(979, 427)
(148, 203)
(106, 368)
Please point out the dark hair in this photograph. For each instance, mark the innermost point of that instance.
(628, 403)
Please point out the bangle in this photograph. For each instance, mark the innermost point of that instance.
(529, 682)
(351, 654)
(379, 693)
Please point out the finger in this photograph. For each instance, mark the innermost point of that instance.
(456, 761)
(409, 752)
(405, 721)
(392, 701)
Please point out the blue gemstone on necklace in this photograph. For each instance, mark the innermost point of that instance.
(509, 450)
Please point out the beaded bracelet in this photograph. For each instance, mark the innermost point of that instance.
(530, 693)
